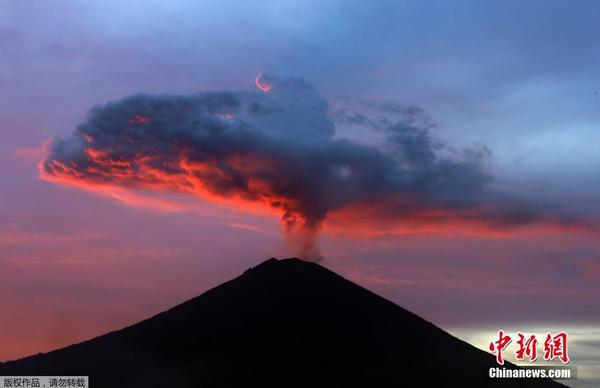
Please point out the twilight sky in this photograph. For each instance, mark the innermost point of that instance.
(514, 85)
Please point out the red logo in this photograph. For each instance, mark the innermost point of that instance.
(500, 345)
(554, 347)
(527, 348)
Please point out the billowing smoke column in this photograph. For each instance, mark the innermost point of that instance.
(275, 147)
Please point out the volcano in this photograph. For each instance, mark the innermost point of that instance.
(282, 323)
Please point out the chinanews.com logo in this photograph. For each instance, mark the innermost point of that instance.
(554, 351)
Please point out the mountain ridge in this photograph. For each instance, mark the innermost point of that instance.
(282, 322)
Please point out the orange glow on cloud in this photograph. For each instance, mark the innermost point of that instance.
(262, 85)
(125, 181)
(128, 178)
(369, 220)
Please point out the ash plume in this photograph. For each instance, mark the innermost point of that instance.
(278, 147)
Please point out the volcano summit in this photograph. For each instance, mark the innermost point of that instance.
(284, 323)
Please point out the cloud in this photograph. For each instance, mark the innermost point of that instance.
(278, 149)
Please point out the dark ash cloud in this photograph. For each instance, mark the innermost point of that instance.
(278, 147)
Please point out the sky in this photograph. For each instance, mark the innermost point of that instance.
(484, 116)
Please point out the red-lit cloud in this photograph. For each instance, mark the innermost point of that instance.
(263, 84)
(274, 152)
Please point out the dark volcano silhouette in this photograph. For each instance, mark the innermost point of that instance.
(283, 323)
